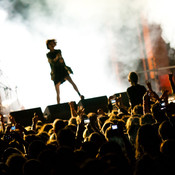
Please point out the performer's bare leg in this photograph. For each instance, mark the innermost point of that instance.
(57, 87)
(74, 86)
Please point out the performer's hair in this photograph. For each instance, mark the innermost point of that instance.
(50, 40)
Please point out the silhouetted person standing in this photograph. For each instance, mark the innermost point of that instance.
(135, 91)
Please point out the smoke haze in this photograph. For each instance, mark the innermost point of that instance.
(93, 36)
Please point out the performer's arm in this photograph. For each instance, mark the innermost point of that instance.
(52, 61)
(59, 58)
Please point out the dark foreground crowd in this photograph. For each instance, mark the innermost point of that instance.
(135, 140)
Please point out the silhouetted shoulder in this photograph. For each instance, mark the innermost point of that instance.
(52, 55)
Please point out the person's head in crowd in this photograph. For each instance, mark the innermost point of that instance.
(101, 120)
(32, 167)
(137, 110)
(9, 151)
(29, 139)
(58, 124)
(124, 110)
(147, 119)
(46, 127)
(109, 148)
(158, 114)
(147, 141)
(112, 132)
(44, 136)
(89, 148)
(87, 124)
(66, 137)
(100, 111)
(52, 145)
(16, 144)
(91, 126)
(133, 78)
(132, 121)
(107, 124)
(15, 164)
(93, 118)
(97, 139)
(166, 130)
(72, 127)
(121, 123)
(80, 119)
(132, 125)
(35, 148)
(39, 124)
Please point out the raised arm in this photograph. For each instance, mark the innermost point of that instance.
(34, 122)
(2, 123)
(72, 109)
(152, 93)
(172, 83)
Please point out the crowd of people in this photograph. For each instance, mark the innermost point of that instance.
(134, 140)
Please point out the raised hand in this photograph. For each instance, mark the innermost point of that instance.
(1, 118)
(149, 85)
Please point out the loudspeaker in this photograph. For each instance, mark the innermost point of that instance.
(61, 111)
(124, 97)
(24, 117)
(93, 104)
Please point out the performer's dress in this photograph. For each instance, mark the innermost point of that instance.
(59, 70)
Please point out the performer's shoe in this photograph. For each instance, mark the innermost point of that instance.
(81, 97)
